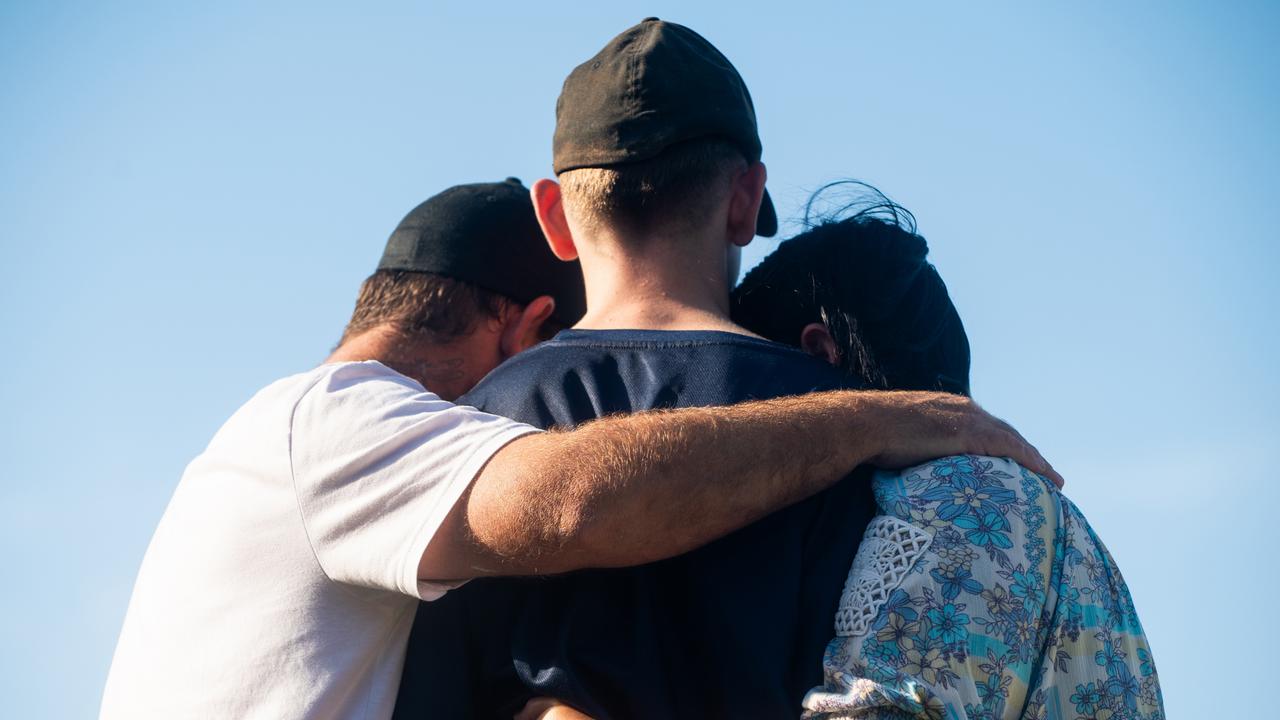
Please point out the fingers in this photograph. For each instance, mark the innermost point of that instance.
(957, 426)
(1026, 455)
(1037, 464)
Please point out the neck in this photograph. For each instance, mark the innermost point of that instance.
(439, 367)
(659, 286)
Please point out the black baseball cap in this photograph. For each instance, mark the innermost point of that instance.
(486, 234)
(656, 85)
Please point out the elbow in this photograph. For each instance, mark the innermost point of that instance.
(530, 526)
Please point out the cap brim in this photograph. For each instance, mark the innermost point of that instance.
(767, 220)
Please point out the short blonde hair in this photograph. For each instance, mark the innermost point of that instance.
(673, 190)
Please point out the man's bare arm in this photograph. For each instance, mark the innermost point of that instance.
(630, 490)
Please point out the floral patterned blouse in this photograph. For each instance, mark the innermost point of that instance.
(981, 592)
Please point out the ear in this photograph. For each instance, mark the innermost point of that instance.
(817, 341)
(549, 207)
(523, 331)
(744, 204)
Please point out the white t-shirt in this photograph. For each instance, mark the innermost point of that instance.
(282, 579)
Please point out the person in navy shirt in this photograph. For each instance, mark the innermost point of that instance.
(657, 215)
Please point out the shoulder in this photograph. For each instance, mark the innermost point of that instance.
(962, 488)
(355, 387)
(532, 364)
(366, 407)
(368, 377)
(535, 366)
(544, 386)
(315, 391)
(768, 369)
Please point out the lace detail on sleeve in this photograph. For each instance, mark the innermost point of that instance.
(889, 548)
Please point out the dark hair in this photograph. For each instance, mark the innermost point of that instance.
(865, 277)
(674, 189)
(421, 304)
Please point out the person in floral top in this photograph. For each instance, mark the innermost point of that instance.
(1011, 608)
(979, 591)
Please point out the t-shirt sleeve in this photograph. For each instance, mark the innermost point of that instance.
(377, 465)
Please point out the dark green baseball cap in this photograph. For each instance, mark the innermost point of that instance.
(487, 234)
(656, 85)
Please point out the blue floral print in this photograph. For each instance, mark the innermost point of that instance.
(989, 528)
(954, 579)
(1015, 610)
(1087, 698)
(948, 624)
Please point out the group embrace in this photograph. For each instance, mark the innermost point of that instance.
(763, 499)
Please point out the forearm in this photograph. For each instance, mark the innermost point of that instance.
(629, 490)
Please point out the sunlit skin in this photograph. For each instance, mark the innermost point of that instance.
(451, 368)
(657, 281)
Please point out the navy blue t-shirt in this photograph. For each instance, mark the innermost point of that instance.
(734, 629)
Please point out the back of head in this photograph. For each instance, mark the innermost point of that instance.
(671, 194)
(864, 277)
(421, 305)
(649, 130)
(457, 258)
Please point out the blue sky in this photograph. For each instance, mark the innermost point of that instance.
(190, 196)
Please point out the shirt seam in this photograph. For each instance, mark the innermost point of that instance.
(744, 342)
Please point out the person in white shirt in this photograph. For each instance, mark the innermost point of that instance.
(284, 575)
